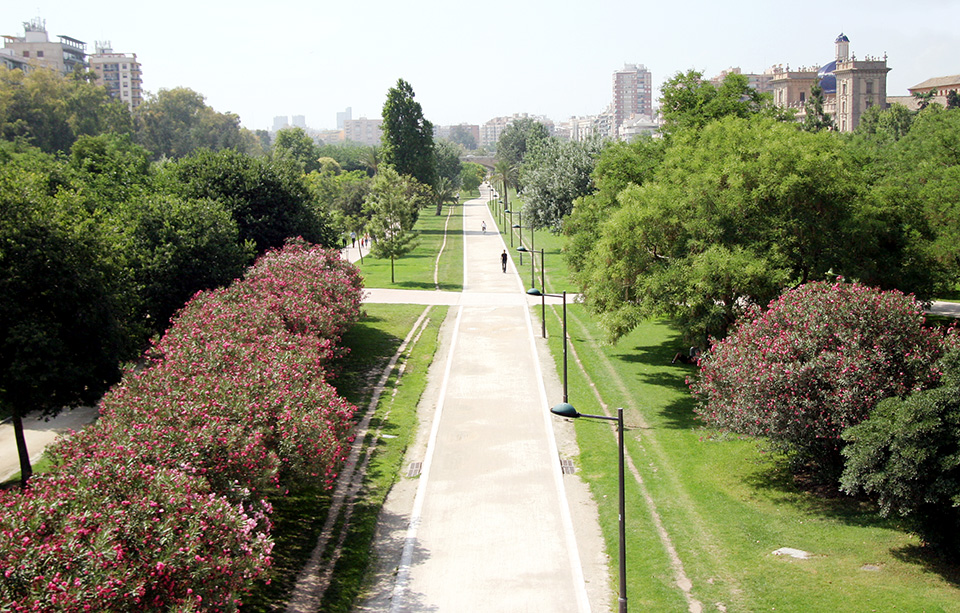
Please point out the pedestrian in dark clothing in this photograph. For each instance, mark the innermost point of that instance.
(503, 260)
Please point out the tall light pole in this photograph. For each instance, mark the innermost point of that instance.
(566, 410)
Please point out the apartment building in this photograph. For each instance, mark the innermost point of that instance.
(119, 72)
(632, 94)
(36, 48)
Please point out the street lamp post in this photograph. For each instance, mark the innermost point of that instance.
(566, 410)
(511, 226)
(522, 249)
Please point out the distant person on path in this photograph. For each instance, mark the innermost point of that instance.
(503, 260)
(483, 227)
(353, 239)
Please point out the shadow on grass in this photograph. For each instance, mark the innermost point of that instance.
(774, 478)
(368, 346)
(931, 561)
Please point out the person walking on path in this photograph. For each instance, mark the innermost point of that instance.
(483, 226)
(503, 260)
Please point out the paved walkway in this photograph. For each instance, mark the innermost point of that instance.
(488, 528)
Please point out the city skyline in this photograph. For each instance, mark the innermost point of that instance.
(468, 64)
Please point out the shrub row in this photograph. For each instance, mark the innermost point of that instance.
(161, 505)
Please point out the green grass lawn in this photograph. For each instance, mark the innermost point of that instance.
(416, 269)
(725, 503)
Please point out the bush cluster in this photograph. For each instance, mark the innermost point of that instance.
(161, 504)
(815, 362)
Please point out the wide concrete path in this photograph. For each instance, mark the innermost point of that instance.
(490, 529)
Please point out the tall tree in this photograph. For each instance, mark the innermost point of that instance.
(737, 212)
(297, 144)
(518, 138)
(688, 101)
(176, 122)
(816, 118)
(59, 333)
(393, 205)
(407, 136)
(555, 174)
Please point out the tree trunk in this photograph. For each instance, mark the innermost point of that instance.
(391, 270)
(26, 471)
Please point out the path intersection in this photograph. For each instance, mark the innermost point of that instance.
(487, 525)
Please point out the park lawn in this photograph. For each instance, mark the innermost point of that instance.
(299, 517)
(726, 504)
(416, 269)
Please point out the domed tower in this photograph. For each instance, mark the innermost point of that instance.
(843, 47)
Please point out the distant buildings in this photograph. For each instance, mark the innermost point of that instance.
(850, 86)
(762, 82)
(632, 94)
(35, 49)
(490, 132)
(364, 131)
(119, 73)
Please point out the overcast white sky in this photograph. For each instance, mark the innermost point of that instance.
(471, 61)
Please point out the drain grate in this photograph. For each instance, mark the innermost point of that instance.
(414, 469)
(567, 467)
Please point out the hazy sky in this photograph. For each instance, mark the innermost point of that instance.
(471, 61)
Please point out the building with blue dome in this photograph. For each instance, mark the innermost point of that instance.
(850, 86)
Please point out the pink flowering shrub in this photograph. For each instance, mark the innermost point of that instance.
(817, 361)
(160, 505)
(115, 534)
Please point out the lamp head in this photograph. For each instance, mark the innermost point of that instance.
(534, 292)
(522, 248)
(565, 409)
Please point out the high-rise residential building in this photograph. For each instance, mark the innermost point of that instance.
(119, 73)
(36, 48)
(280, 122)
(850, 86)
(343, 117)
(299, 121)
(632, 94)
(364, 131)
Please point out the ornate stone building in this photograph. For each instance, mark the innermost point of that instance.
(850, 86)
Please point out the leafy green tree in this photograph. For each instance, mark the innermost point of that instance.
(505, 176)
(906, 455)
(885, 126)
(408, 136)
(176, 122)
(953, 99)
(110, 165)
(268, 198)
(619, 165)
(518, 138)
(297, 144)
(350, 156)
(176, 248)
(554, 175)
(59, 332)
(448, 162)
(51, 110)
(443, 192)
(688, 101)
(816, 119)
(924, 99)
(393, 206)
(472, 176)
(735, 213)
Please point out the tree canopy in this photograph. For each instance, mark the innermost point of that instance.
(407, 136)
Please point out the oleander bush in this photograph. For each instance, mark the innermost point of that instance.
(161, 505)
(815, 362)
(907, 455)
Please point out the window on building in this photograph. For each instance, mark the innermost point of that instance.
(803, 96)
(843, 88)
(26, 54)
(39, 53)
(869, 85)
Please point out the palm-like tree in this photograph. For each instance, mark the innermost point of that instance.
(443, 191)
(506, 176)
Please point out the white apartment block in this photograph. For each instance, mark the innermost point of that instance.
(119, 73)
